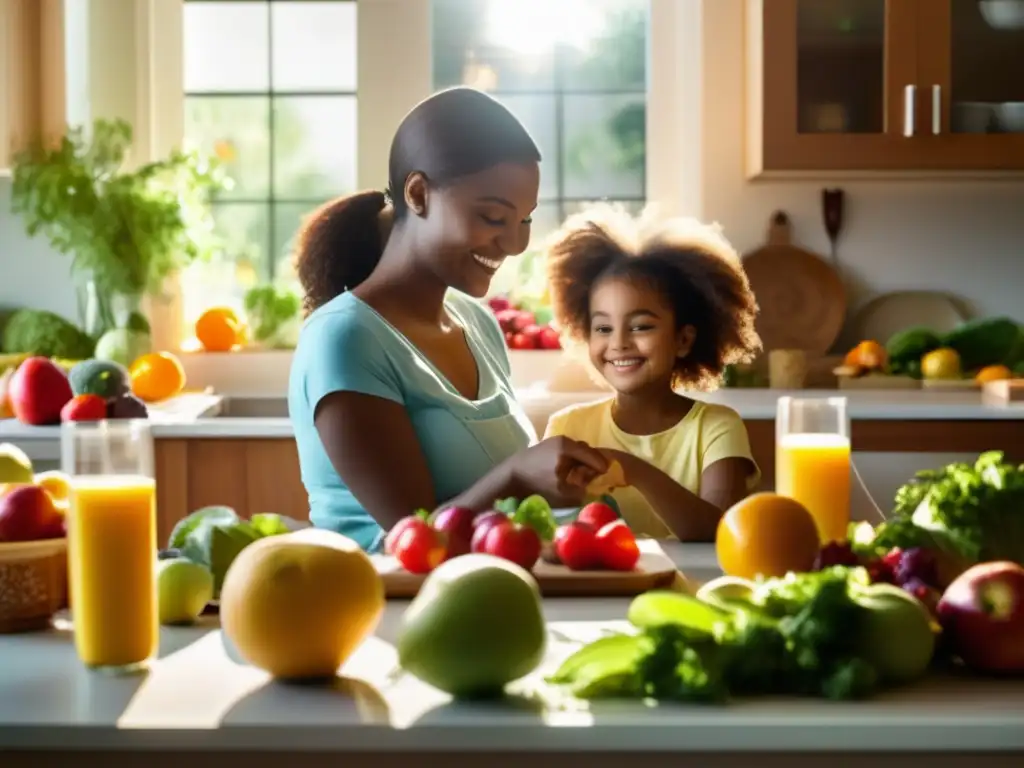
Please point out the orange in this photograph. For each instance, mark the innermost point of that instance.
(867, 354)
(993, 373)
(766, 535)
(219, 329)
(58, 485)
(157, 376)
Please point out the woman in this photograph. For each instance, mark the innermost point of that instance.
(399, 393)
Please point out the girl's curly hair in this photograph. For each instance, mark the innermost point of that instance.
(691, 264)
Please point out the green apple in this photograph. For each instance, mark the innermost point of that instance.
(896, 634)
(183, 590)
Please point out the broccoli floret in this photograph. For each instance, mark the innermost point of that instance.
(38, 332)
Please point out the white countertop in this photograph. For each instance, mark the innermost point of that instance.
(193, 415)
(199, 696)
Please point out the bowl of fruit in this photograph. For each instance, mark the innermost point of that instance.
(33, 552)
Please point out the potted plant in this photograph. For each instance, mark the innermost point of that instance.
(125, 229)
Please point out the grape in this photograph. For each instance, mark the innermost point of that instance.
(835, 553)
(917, 564)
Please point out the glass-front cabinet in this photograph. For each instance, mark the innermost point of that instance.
(885, 85)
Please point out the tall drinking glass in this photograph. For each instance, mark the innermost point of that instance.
(812, 460)
(112, 542)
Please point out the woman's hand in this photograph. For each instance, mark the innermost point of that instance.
(559, 469)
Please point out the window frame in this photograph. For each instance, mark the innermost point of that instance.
(400, 32)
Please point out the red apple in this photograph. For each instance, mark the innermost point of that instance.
(38, 391)
(548, 338)
(27, 513)
(457, 524)
(499, 303)
(396, 531)
(482, 524)
(518, 543)
(982, 616)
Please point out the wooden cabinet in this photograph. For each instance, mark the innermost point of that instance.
(883, 85)
(32, 90)
(248, 475)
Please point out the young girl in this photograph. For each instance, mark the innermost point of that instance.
(660, 308)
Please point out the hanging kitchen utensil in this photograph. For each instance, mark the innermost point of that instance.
(832, 211)
(802, 301)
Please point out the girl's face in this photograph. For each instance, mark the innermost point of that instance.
(633, 340)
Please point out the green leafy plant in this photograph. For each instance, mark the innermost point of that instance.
(126, 229)
(273, 313)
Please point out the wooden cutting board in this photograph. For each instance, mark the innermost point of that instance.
(800, 295)
(654, 571)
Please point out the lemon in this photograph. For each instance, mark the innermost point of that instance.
(943, 363)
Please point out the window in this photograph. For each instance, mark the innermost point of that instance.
(270, 89)
(575, 73)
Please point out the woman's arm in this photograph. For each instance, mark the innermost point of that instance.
(689, 516)
(374, 449)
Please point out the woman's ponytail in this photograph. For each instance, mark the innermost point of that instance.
(339, 245)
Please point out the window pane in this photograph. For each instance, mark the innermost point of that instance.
(245, 228)
(615, 56)
(226, 47)
(314, 146)
(575, 206)
(605, 145)
(314, 46)
(500, 45)
(224, 280)
(287, 219)
(237, 130)
(841, 66)
(538, 114)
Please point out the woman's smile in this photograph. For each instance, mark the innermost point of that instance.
(491, 265)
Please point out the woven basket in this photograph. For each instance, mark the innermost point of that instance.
(33, 583)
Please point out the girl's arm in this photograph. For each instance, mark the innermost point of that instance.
(689, 516)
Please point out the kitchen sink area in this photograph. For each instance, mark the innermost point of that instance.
(248, 408)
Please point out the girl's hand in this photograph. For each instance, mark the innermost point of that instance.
(559, 469)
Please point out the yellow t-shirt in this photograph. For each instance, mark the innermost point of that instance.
(707, 433)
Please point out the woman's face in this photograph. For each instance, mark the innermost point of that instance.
(468, 228)
(633, 338)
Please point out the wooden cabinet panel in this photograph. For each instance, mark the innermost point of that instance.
(882, 85)
(250, 476)
(32, 83)
(273, 480)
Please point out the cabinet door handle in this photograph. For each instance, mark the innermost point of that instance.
(909, 96)
(936, 109)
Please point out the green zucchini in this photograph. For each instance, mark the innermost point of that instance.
(985, 341)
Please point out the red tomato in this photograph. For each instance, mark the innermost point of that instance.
(521, 341)
(577, 547)
(618, 547)
(597, 515)
(396, 531)
(518, 543)
(419, 548)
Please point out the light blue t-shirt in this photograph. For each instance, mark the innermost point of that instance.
(345, 345)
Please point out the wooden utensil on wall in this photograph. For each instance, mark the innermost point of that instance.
(801, 298)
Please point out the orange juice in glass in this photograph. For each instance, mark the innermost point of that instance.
(112, 544)
(812, 460)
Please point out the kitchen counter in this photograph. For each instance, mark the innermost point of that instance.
(210, 416)
(199, 698)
